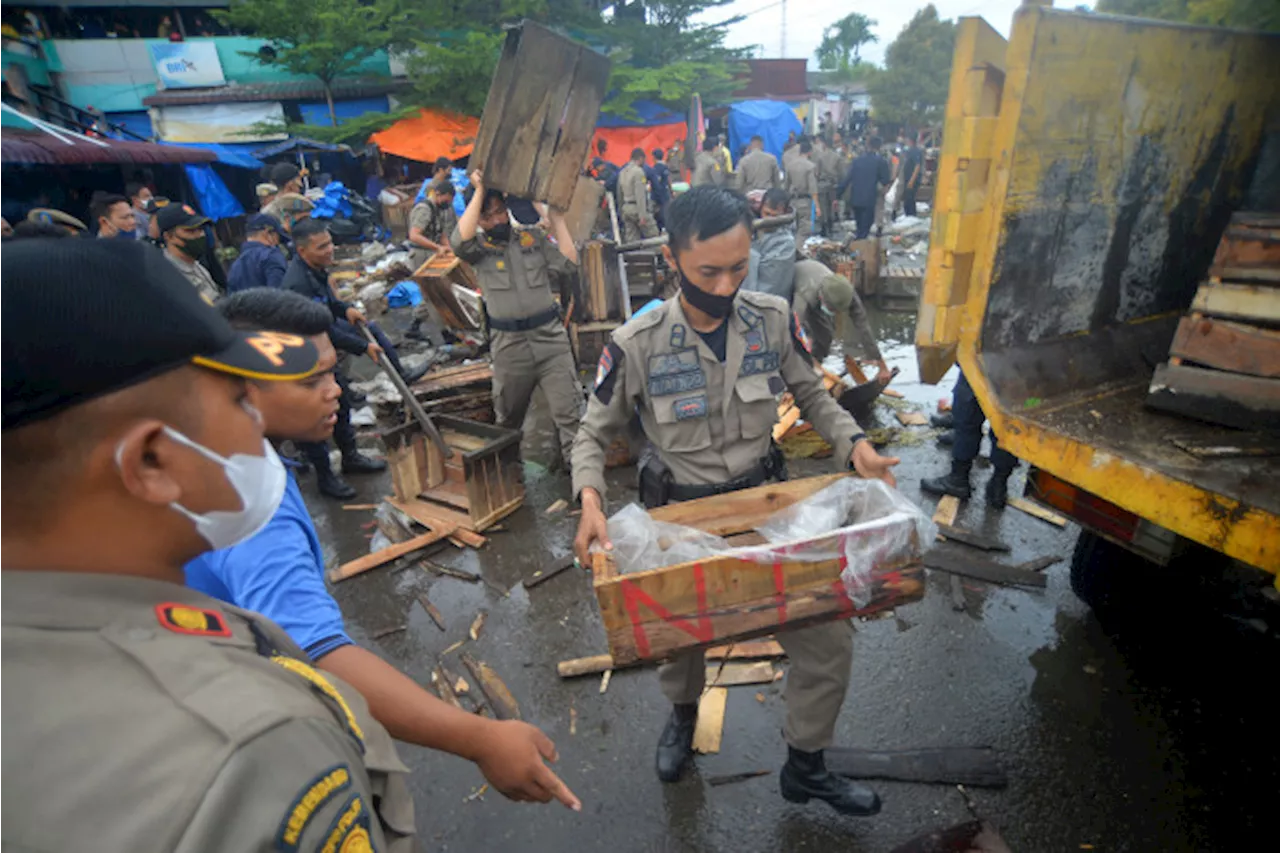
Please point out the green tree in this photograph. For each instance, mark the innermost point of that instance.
(1247, 14)
(842, 42)
(912, 89)
(325, 39)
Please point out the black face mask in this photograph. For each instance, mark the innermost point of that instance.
(499, 233)
(717, 307)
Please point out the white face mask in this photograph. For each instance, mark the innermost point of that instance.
(258, 480)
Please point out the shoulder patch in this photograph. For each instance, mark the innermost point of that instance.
(349, 832)
(640, 322)
(318, 791)
(760, 299)
(196, 621)
(606, 371)
(801, 339)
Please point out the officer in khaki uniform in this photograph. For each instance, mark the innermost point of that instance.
(802, 186)
(830, 171)
(431, 223)
(758, 169)
(529, 344)
(704, 371)
(820, 298)
(139, 714)
(706, 166)
(633, 191)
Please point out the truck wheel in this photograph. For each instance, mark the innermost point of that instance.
(1105, 576)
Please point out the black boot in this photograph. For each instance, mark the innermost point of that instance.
(675, 747)
(955, 483)
(946, 439)
(998, 489)
(331, 484)
(945, 420)
(805, 777)
(355, 462)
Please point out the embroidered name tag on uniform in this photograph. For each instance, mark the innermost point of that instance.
(350, 830)
(197, 621)
(755, 340)
(691, 407)
(764, 362)
(675, 373)
(749, 317)
(323, 788)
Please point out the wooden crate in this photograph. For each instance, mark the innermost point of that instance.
(601, 285)
(396, 216)
(436, 278)
(646, 276)
(482, 479)
(654, 614)
(589, 341)
(463, 391)
(540, 115)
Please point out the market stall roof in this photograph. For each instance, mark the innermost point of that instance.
(291, 90)
(36, 146)
(295, 144)
(428, 135)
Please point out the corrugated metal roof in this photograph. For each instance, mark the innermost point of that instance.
(25, 146)
(299, 90)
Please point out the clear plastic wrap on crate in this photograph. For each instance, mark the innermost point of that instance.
(862, 522)
(640, 542)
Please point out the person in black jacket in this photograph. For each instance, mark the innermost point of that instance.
(261, 263)
(307, 274)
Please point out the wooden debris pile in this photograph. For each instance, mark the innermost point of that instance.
(462, 390)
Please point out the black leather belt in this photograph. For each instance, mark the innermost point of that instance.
(755, 477)
(527, 323)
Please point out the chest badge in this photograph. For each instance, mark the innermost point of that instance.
(526, 240)
(502, 265)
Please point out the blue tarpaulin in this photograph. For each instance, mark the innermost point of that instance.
(317, 112)
(294, 144)
(334, 203)
(232, 154)
(650, 115)
(212, 196)
(458, 177)
(772, 121)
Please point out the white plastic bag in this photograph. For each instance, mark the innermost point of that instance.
(640, 542)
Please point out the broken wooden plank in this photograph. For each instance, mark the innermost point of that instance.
(604, 680)
(584, 666)
(1230, 399)
(478, 625)
(948, 508)
(911, 418)
(974, 566)
(1238, 301)
(710, 728)
(1039, 564)
(449, 571)
(500, 699)
(544, 575)
(386, 555)
(435, 615)
(559, 506)
(969, 537)
(1225, 345)
(435, 517)
(359, 506)
(388, 631)
(731, 778)
(746, 650)
(1041, 512)
(735, 673)
(953, 765)
(444, 687)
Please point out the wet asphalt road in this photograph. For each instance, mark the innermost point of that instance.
(1155, 740)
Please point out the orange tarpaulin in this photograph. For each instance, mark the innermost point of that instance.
(430, 134)
(623, 140)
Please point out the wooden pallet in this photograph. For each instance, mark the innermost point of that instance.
(1224, 364)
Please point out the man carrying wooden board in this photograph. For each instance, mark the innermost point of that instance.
(704, 371)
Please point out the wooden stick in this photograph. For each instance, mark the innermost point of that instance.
(729, 779)
(1040, 512)
(544, 575)
(435, 615)
(500, 699)
(425, 514)
(478, 625)
(584, 666)
(732, 674)
(409, 400)
(359, 506)
(445, 688)
(973, 566)
(1039, 564)
(710, 728)
(386, 555)
(747, 650)
(460, 574)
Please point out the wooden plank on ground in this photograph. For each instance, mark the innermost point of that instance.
(1229, 399)
(1041, 512)
(710, 728)
(500, 699)
(432, 611)
(436, 516)
(911, 418)
(947, 509)
(543, 575)
(747, 650)
(953, 765)
(969, 537)
(1238, 301)
(975, 566)
(1228, 346)
(1039, 564)
(734, 673)
(585, 666)
(386, 555)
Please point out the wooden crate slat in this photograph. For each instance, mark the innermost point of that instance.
(590, 77)
(496, 101)
(738, 512)
(1238, 301)
(1228, 346)
(1230, 399)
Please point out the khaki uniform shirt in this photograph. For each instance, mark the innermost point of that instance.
(789, 154)
(514, 277)
(706, 170)
(199, 277)
(709, 421)
(142, 715)
(829, 165)
(802, 178)
(758, 171)
(633, 189)
(437, 224)
(820, 325)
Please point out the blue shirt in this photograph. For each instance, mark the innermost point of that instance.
(259, 265)
(280, 574)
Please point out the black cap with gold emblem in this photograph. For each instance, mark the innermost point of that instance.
(82, 318)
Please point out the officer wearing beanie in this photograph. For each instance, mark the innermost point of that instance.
(704, 370)
(820, 299)
(140, 714)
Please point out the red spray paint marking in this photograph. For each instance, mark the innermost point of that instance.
(780, 591)
(846, 603)
(633, 597)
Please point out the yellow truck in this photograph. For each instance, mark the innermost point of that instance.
(1090, 166)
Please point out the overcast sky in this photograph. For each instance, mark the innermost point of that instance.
(806, 19)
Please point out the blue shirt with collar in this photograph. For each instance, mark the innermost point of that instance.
(258, 265)
(280, 574)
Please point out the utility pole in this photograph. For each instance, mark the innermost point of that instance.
(783, 53)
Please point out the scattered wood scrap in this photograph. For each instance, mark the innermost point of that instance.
(388, 631)
(1039, 564)
(980, 568)
(911, 418)
(449, 571)
(948, 508)
(732, 674)
(359, 506)
(710, 728)
(386, 555)
(500, 699)
(969, 537)
(1040, 512)
(584, 666)
(604, 680)
(559, 506)
(478, 625)
(731, 778)
(543, 575)
(461, 687)
(963, 765)
(432, 611)
(435, 516)
(747, 650)
(444, 688)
